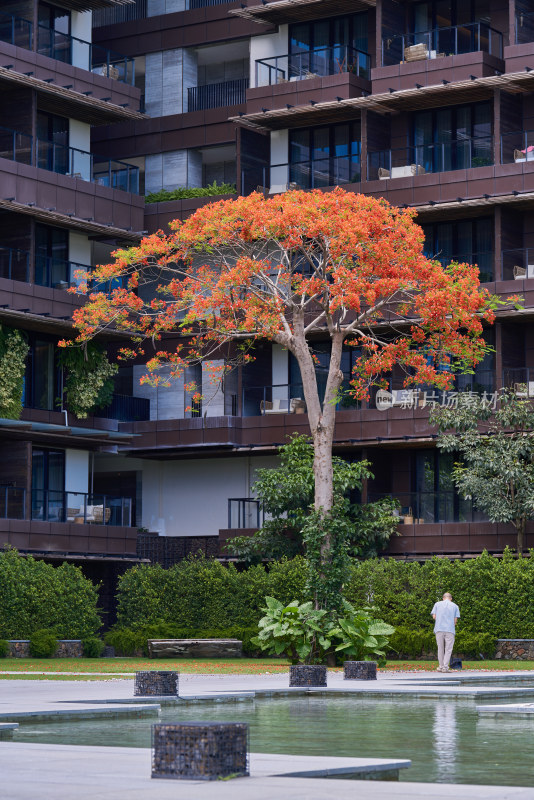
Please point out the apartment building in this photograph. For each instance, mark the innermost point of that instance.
(428, 104)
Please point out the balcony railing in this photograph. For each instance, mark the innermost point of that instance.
(110, 16)
(78, 53)
(17, 31)
(520, 379)
(524, 27)
(431, 507)
(482, 382)
(57, 273)
(328, 171)
(244, 512)
(12, 502)
(16, 146)
(191, 4)
(215, 95)
(276, 399)
(126, 409)
(518, 264)
(517, 147)
(68, 49)
(14, 264)
(81, 508)
(406, 162)
(470, 38)
(88, 167)
(483, 260)
(312, 64)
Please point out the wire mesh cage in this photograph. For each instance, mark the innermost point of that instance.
(200, 750)
(156, 683)
(359, 670)
(307, 675)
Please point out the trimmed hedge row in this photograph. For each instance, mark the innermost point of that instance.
(409, 643)
(128, 642)
(36, 596)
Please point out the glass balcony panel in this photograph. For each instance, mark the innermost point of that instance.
(418, 508)
(244, 512)
(15, 146)
(81, 508)
(518, 264)
(524, 27)
(14, 264)
(15, 30)
(440, 42)
(415, 160)
(316, 63)
(517, 147)
(12, 502)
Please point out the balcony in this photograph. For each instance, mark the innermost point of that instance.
(316, 174)
(215, 95)
(244, 513)
(125, 408)
(483, 259)
(517, 264)
(407, 162)
(419, 508)
(441, 42)
(517, 147)
(520, 379)
(81, 508)
(312, 64)
(67, 49)
(14, 264)
(86, 166)
(16, 146)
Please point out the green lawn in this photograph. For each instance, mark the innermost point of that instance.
(93, 667)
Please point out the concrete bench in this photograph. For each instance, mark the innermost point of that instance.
(195, 648)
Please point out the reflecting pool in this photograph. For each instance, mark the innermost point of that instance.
(445, 739)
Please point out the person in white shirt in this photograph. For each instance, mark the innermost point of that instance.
(446, 614)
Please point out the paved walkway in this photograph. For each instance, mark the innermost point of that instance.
(61, 772)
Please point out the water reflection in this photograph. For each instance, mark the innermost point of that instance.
(445, 730)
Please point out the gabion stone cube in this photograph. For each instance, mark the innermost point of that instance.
(307, 675)
(200, 750)
(359, 670)
(156, 683)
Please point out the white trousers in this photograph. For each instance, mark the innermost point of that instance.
(445, 642)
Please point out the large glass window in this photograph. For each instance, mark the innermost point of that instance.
(51, 255)
(53, 142)
(328, 46)
(42, 378)
(48, 484)
(325, 156)
(453, 138)
(469, 240)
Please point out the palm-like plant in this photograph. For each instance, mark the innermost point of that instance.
(361, 635)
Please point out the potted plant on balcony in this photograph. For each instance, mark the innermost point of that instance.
(361, 636)
(298, 631)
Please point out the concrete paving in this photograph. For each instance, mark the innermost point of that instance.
(61, 772)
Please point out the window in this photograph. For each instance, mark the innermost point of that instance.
(464, 240)
(54, 32)
(328, 46)
(48, 484)
(326, 156)
(453, 138)
(51, 255)
(53, 142)
(42, 378)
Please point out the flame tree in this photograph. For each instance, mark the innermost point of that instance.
(291, 269)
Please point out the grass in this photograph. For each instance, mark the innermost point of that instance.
(92, 668)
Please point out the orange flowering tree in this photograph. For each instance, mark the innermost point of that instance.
(290, 269)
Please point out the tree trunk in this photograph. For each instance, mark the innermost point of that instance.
(520, 526)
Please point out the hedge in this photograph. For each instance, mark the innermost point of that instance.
(35, 596)
(203, 598)
(200, 594)
(128, 642)
(495, 595)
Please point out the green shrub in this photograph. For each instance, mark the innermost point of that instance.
(93, 647)
(36, 595)
(128, 642)
(495, 595)
(4, 648)
(408, 643)
(43, 643)
(194, 191)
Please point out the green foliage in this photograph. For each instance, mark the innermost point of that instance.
(4, 648)
(298, 630)
(43, 643)
(497, 456)
(13, 354)
(194, 191)
(201, 594)
(128, 642)
(89, 382)
(287, 492)
(326, 577)
(495, 595)
(362, 636)
(409, 643)
(93, 647)
(35, 595)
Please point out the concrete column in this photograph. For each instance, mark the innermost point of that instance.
(163, 83)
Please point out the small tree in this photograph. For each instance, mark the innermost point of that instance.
(286, 496)
(496, 449)
(290, 269)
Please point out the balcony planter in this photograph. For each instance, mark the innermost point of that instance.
(359, 670)
(305, 675)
